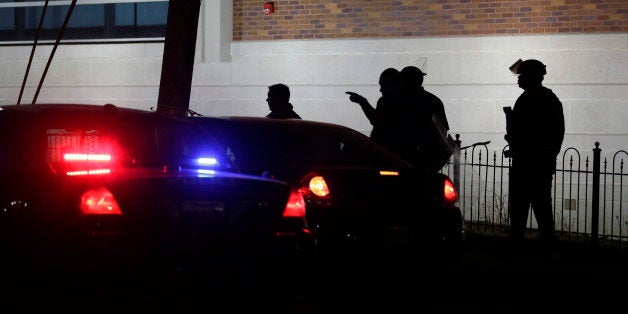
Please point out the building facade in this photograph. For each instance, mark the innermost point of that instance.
(323, 48)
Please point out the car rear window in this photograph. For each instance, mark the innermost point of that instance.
(148, 146)
(125, 142)
(256, 148)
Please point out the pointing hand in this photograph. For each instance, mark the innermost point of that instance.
(356, 98)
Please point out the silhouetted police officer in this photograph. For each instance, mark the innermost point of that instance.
(535, 130)
(385, 117)
(425, 123)
(279, 103)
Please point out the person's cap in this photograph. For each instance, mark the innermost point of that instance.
(412, 71)
(529, 67)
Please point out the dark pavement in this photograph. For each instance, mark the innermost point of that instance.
(485, 279)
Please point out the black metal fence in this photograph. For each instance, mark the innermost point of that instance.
(589, 197)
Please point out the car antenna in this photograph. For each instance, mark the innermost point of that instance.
(54, 48)
(30, 59)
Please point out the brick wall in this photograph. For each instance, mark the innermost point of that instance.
(313, 19)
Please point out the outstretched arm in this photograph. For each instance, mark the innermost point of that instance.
(369, 111)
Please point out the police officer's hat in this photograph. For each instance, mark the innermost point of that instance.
(412, 75)
(529, 67)
(412, 71)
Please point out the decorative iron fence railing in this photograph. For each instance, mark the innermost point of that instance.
(589, 198)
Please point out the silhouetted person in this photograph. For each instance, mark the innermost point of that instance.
(535, 130)
(385, 117)
(429, 121)
(412, 78)
(279, 103)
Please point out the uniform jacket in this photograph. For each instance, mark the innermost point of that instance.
(536, 129)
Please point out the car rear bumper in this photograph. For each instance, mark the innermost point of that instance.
(442, 226)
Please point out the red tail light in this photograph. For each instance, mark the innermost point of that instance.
(99, 202)
(449, 191)
(295, 207)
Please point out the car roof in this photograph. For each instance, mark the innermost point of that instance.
(52, 108)
(88, 113)
(278, 123)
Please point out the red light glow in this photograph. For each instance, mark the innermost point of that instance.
(450, 193)
(88, 172)
(99, 202)
(87, 157)
(296, 205)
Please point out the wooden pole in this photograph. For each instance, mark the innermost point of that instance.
(178, 59)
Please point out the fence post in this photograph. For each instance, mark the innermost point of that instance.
(457, 163)
(595, 197)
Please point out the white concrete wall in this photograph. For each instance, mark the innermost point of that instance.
(589, 73)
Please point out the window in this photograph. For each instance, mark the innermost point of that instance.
(91, 20)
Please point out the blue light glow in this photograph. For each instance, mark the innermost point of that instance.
(207, 161)
(205, 172)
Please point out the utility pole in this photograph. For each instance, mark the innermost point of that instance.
(178, 59)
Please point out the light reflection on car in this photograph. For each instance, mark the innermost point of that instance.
(91, 179)
(358, 194)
